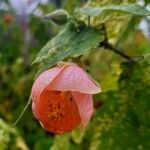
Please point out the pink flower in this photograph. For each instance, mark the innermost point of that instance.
(62, 98)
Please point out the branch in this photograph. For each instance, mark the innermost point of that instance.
(105, 44)
(117, 51)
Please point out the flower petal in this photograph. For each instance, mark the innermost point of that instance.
(69, 120)
(85, 106)
(73, 78)
(35, 110)
(40, 84)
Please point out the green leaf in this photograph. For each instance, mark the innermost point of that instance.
(134, 9)
(59, 17)
(72, 41)
(124, 114)
(61, 142)
(77, 135)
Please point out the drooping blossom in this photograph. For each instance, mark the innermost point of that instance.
(62, 98)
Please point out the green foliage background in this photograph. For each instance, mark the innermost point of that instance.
(121, 118)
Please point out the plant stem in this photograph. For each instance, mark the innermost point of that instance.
(26, 106)
(117, 51)
(109, 46)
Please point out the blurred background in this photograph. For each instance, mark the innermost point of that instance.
(121, 118)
